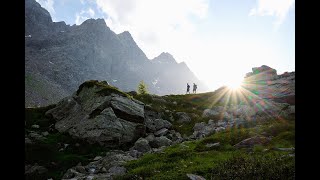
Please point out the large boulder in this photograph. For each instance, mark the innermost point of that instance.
(264, 82)
(99, 113)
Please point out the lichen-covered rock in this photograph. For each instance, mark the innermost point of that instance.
(100, 114)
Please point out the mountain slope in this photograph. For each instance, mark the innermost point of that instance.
(65, 56)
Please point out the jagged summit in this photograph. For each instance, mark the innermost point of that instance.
(165, 57)
(94, 23)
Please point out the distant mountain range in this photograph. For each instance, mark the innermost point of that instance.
(59, 57)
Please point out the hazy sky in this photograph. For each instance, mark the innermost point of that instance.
(220, 40)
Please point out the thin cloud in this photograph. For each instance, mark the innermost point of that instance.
(155, 25)
(277, 8)
(84, 15)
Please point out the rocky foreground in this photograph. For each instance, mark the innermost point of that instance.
(98, 130)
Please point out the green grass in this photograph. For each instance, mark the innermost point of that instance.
(222, 162)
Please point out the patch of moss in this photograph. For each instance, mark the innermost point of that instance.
(106, 89)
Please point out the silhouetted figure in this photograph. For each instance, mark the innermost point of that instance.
(194, 88)
(188, 88)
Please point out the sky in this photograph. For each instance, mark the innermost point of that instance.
(219, 40)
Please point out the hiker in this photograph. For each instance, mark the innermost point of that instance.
(188, 88)
(194, 88)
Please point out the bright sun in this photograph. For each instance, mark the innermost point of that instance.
(234, 84)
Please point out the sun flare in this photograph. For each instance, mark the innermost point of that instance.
(234, 85)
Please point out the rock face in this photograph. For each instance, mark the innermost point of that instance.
(264, 82)
(99, 113)
(59, 57)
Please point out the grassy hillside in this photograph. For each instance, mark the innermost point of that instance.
(221, 162)
(225, 161)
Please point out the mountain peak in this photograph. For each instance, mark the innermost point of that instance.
(126, 35)
(165, 57)
(97, 23)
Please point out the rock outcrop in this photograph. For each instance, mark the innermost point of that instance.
(265, 83)
(99, 113)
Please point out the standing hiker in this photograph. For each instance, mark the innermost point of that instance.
(188, 88)
(194, 88)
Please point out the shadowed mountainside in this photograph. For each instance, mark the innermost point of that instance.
(59, 57)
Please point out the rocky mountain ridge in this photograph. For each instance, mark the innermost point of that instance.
(59, 57)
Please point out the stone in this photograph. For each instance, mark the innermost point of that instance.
(36, 136)
(35, 172)
(45, 133)
(183, 117)
(142, 145)
(27, 141)
(111, 121)
(35, 126)
(154, 125)
(160, 141)
(161, 132)
(150, 137)
(250, 142)
(195, 177)
(97, 158)
(117, 170)
(209, 145)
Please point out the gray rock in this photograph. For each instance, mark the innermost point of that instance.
(154, 125)
(209, 145)
(134, 153)
(27, 141)
(250, 142)
(97, 158)
(108, 120)
(80, 169)
(199, 126)
(142, 145)
(117, 170)
(35, 136)
(285, 149)
(128, 109)
(45, 133)
(150, 137)
(35, 171)
(161, 132)
(35, 126)
(183, 117)
(160, 141)
(213, 112)
(195, 177)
